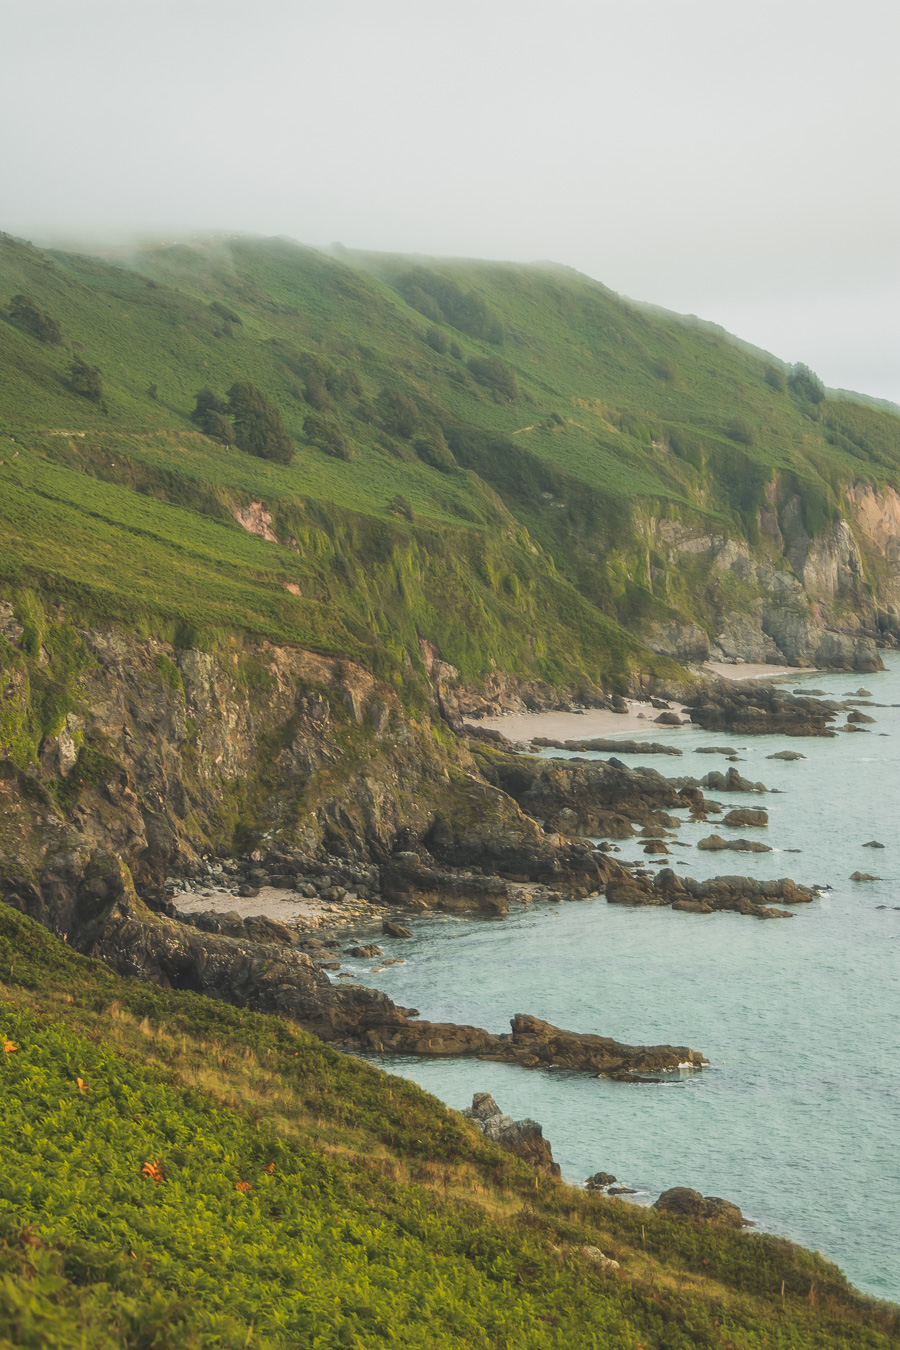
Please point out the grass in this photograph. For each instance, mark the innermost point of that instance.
(308, 1198)
(622, 416)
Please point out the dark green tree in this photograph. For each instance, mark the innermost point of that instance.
(806, 384)
(258, 425)
(85, 380)
(209, 414)
(35, 321)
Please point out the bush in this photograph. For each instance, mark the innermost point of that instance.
(739, 429)
(433, 449)
(316, 392)
(437, 341)
(85, 380)
(495, 375)
(35, 321)
(775, 378)
(399, 415)
(399, 506)
(258, 425)
(325, 434)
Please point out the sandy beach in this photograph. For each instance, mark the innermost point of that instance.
(286, 906)
(640, 717)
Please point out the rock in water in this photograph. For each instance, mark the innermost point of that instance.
(525, 1138)
(395, 930)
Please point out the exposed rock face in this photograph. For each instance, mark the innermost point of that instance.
(525, 1138)
(804, 601)
(689, 1204)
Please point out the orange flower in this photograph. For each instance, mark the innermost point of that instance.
(10, 1048)
(243, 1186)
(271, 1167)
(153, 1170)
(82, 1085)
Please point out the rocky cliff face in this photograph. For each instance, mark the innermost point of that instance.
(160, 755)
(824, 601)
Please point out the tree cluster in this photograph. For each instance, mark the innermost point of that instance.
(256, 426)
(443, 301)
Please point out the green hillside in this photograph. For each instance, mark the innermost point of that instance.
(477, 446)
(178, 1173)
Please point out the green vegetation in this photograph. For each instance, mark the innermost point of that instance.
(405, 464)
(179, 1173)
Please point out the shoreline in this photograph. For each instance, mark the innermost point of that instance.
(641, 715)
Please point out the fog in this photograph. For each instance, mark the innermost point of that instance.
(731, 160)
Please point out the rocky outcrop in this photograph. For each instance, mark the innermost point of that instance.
(762, 710)
(532, 1043)
(100, 914)
(609, 745)
(742, 895)
(524, 1138)
(688, 1204)
(592, 798)
(715, 843)
(407, 881)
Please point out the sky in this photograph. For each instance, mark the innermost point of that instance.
(733, 160)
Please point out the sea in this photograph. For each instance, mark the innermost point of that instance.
(797, 1118)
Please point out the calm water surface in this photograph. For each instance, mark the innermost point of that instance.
(798, 1119)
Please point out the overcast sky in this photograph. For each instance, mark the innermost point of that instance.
(731, 159)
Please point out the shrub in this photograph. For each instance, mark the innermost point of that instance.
(739, 429)
(316, 392)
(399, 506)
(85, 380)
(495, 375)
(437, 341)
(399, 415)
(776, 378)
(433, 449)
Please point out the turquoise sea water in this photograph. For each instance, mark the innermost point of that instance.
(798, 1118)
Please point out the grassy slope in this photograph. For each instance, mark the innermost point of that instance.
(372, 1214)
(526, 556)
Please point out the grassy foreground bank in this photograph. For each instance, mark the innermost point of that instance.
(179, 1173)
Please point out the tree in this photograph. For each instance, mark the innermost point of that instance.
(258, 425)
(209, 414)
(85, 380)
(35, 321)
(805, 383)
